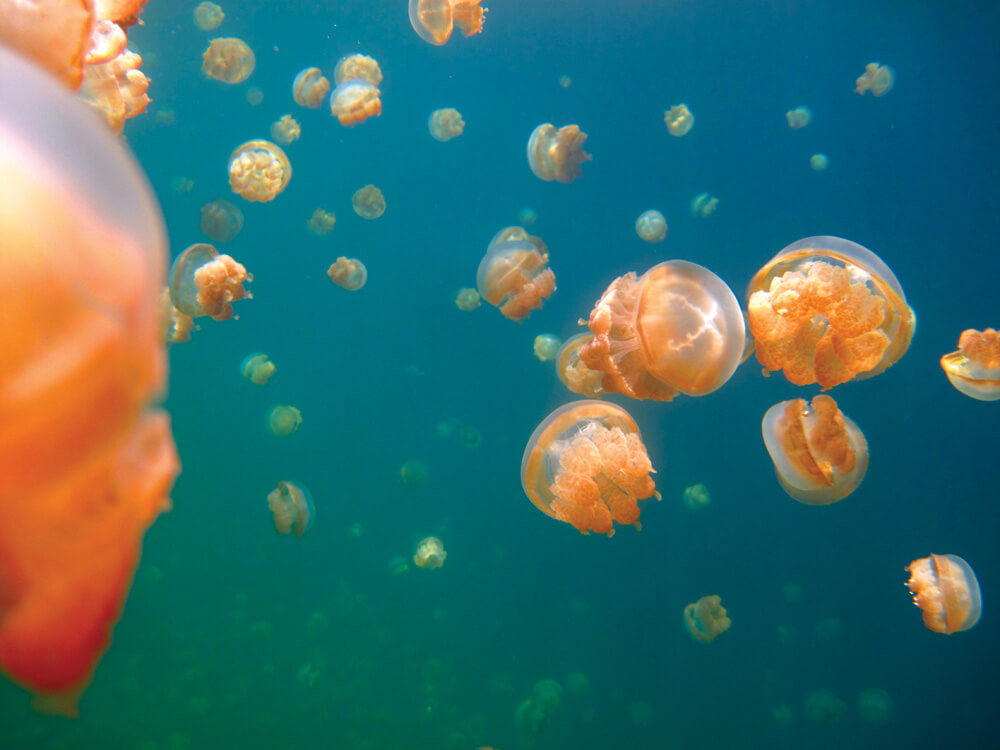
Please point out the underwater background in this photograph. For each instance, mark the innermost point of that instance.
(234, 636)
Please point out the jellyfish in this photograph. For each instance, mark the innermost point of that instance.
(585, 464)
(826, 310)
(703, 205)
(651, 226)
(310, 87)
(975, 368)
(398, 565)
(572, 370)
(578, 683)
(349, 273)
(283, 420)
(258, 369)
(696, 496)
(547, 346)
(202, 282)
(706, 618)
(878, 79)
(292, 507)
(514, 276)
(112, 82)
(819, 455)
(798, 118)
(527, 217)
(676, 329)
(470, 436)
(824, 708)
(254, 96)
(467, 299)
(286, 130)
(321, 222)
(434, 20)
(557, 154)
(413, 474)
(221, 220)
(679, 120)
(533, 713)
(229, 60)
(430, 553)
(445, 124)
(208, 16)
(368, 202)
(818, 162)
(175, 325)
(259, 171)
(181, 184)
(87, 463)
(354, 101)
(358, 66)
(565, 81)
(876, 706)
(946, 589)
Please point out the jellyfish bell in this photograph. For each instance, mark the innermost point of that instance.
(208, 16)
(703, 205)
(879, 79)
(515, 277)
(546, 346)
(678, 120)
(798, 118)
(573, 371)
(368, 202)
(228, 60)
(445, 124)
(557, 154)
(946, 589)
(310, 88)
(259, 171)
(258, 368)
(321, 222)
(974, 368)
(354, 101)
(202, 282)
(434, 20)
(706, 619)
(651, 226)
(818, 162)
(358, 66)
(292, 508)
(286, 130)
(221, 221)
(467, 299)
(430, 553)
(349, 273)
(283, 420)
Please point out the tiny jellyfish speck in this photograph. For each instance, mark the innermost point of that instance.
(651, 226)
(434, 20)
(879, 79)
(798, 118)
(283, 420)
(259, 171)
(349, 273)
(286, 130)
(557, 154)
(679, 120)
(706, 619)
(947, 591)
(430, 553)
(203, 282)
(368, 202)
(310, 88)
(445, 124)
(258, 369)
(229, 60)
(974, 369)
(221, 220)
(514, 275)
(292, 508)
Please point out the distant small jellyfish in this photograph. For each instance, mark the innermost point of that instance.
(354, 101)
(203, 282)
(310, 87)
(696, 496)
(467, 299)
(798, 118)
(445, 124)
(878, 79)
(258, 368)
(876, 706)
(358, 66)
(181, 184)
(974, 368)
(286, 130)
(259, 171)
(706, 619)
(430, 553)
(434, 20)
(557, 154)
(221, 220)
(292, 508)
(398, 565)
(255, 96)
(229, 60)
(818, 162)
(546, 346)
(679, 120)
(350, 273)
(824, 708)
(947, 590)
(284, 419)
(651, 226)
(470, 436)
(565, 81)
(368, 202)
(527, 217)
(208, 16)
(703, 205)
(413, 474)
(321, 222)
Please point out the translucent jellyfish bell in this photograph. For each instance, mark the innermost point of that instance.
(515, 277)
(358, 66)
(221, 220)
(706, 619)
(229, 60)
(368, 202)
(879, 79)
(557, 154)
(947, 590)
(434, 20)
(678, 120)
(310, 88)
(259, 171)
(430, 553)
(445, 124)
(651, 226)
(354, 101)
(208, 16)
(286, 130)
(349, 273)
(572, 370)
(202, 282)
(974, 369)
(292, 507)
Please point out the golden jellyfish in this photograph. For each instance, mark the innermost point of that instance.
(259, 171)
(878, 79)
(703, 205)
(696, 496)
(819, 455)
(975, 368)
(826, 310)
(446, 124)
(651, 226)
(467, 299)
(175, 325)
(358, 66)
(557, 154)
(321, 222)
(676, 329)
(706, 619)
(221, 220)
(514, 274)
(229, 60)
(354, 101)
(368, 202)
(572, 370)
(292, 506)
(86, 464)
(208, 16)
(202, 282)
(947, 591)
(818, 162)
(349, 273)
(310, 87)
(430, 553)
(679, 120)
(258, 369)
(434, 20)
(254, 96)
(283, 420)
(585, 464)
(798, 118)
(286, 130)
(116, 89)
(546, 346)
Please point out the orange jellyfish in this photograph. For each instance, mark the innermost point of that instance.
(572, 371)
(208, 16)
(706, 618)
(358, 66)
(878, 79)
(819, 455)
(446, 124)
(676, 329)
(202, 282)
(349, 273)
(354, 101)
(258, 368)
(585, 464)
(292, 507)
(221, 220)
(283, 420)
(434, 20)
(229, 60)
(826, 310)
(975, 368)
(286, 130)
(514, 275)
(368, 202)
(310, 87)
(430, 553)
(321, 222)
(679, 120)
(175, 326)
(946, 589)
(259, 171)
(557, 154)
(86, 464)
(467, 299)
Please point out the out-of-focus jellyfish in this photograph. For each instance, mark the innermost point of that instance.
(826, 310)
(565, 81)
(676, 329)
(229, 60)
(946, 589)
(116, 89)
(175, 325)
(706, 618)
(527, 217)
(696, 496)
(254, 95)
(467, 299)
(824, 708)
(585, 464)
(221, 220)
(679, 120)
(283, 419)
(975, 368)
(358, 66)
(819, 454)
(434, 20)
(86, 465)
(259, 171)
(321, 222)
(532, 714)
(572, 370)
(557, 154)
(703, 205)
(828, 629)
(818, 162)
(514, 274)
(286, 130)
(202, 282)
(354, 101)
(398, 565)
(208, 16)
(578, 683)
(413, 473)
(181, 184)
(293, 508)
(445, 124)
(447, 428)
(368, 202)
(430, 553)
(258, 369)
(798, 118)
(651, 226)
(547, 346)
(310, 87)
(350, 273)
(876, 706)
(309, 674)
(470, 436)
(877, 78)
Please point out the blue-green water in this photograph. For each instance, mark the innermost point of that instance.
(236, 637)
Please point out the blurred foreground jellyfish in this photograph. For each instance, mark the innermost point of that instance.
(349, 273)
(221, 220)
(202, 282)
(878, 79)
(445, 124)
(208, 16)
(696, 496)
(354, 101)
(676, 329)
(703, 205)
(368, 202)
(974, 369)
(229, 60)
(546, 346)
(259, 171)
(430, 553)
(557, 154)
(434, 20)
(798, 118)
(321, 222)
(706, 619)
(651, 226)
(86, 464)
(532, 714)
(286, 130)
(679, 120)
(258, 369)
(467, 299)
(826, 310)
(283, 420)
(585, 464)
(292, 508)
(946, 589)
(514, 275)
(572, 370)
(310, 87)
